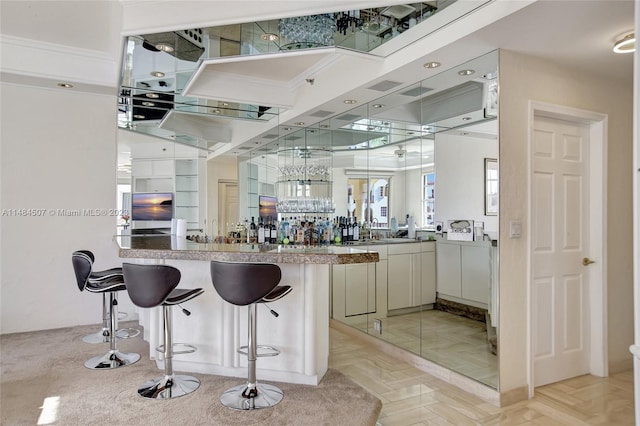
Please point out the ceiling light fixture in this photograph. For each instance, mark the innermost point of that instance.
(225, 104)
(269, 37)
(378, 105)
(324, 126)
(626, 44)
(349, 101)
(164, 47)
(432, 64)
(463, 73)
(65, 85)
(138, 116)
(299, 123)
(157, 74)
(152, 95)
(286, 129)
(149, 104)
(466, 118)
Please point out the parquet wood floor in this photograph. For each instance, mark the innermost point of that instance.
(412, 397)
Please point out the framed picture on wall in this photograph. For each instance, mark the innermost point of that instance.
(490, 187)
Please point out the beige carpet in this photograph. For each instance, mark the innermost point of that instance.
(50, 365)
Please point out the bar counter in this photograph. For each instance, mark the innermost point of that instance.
(217, 328)
(172, 247)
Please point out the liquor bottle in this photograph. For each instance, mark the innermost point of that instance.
(356, 231)
(273, 232)
(252, 230)
(350, 229)
(261, 232)
(344, 229)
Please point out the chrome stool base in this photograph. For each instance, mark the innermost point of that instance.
(168, 387)
(267, 396)
(111, 360)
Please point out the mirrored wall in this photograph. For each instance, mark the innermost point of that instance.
(417, 171)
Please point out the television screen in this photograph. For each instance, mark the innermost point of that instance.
(267, 207)
(152, 206)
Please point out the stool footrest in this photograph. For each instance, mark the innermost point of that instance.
(188, 349)
(266, 350)
(127, 333)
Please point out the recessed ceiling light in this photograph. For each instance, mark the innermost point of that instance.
(269, 37)
(152, 95)
(215, 111)
(626, 44)
(224, 104)
(349, 101)
(324, 126)
(432, 64)
(299, 123)
(164, 47)
(466, 118)
(65, 85)
(465, 72)
(310, 131)
(148, 104)
(286, 129)
(378, 105)
(157, 73)
(140, 116)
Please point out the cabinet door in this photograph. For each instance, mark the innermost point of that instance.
(360, 289)
(399, 293)
(448, 269)
(475, 273)
(427, 280)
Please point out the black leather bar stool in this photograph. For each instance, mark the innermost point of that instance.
(108, 283)
(247, 284)
(155, 285)
(103, 335)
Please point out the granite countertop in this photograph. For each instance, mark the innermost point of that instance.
(172, 247)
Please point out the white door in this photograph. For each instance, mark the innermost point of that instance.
(560, 241)
(227, 206)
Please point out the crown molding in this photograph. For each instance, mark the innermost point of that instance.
(42, 60)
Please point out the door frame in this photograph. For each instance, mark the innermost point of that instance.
(598, 125)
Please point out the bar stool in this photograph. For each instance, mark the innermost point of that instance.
(155, 285)
(103, 335)
(247, 284)
(104, 282)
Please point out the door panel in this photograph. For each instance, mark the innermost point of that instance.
(560, 221)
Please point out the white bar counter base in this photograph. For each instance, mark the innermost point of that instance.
(217, 328)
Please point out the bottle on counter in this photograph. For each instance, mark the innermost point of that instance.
(261, 232)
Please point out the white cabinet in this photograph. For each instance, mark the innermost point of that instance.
(411, 275)
(360, 289)
(464, 272)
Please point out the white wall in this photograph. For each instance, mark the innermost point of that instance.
(460, 178)
(65, 161)
(524, 78)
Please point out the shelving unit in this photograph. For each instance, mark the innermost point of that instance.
(304, 184)
(180, 176)
(187, 203)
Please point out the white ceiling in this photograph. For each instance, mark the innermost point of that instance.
(573, 33)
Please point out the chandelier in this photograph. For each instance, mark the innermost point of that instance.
(304, 32)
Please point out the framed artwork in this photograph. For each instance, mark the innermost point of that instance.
(490, 187)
